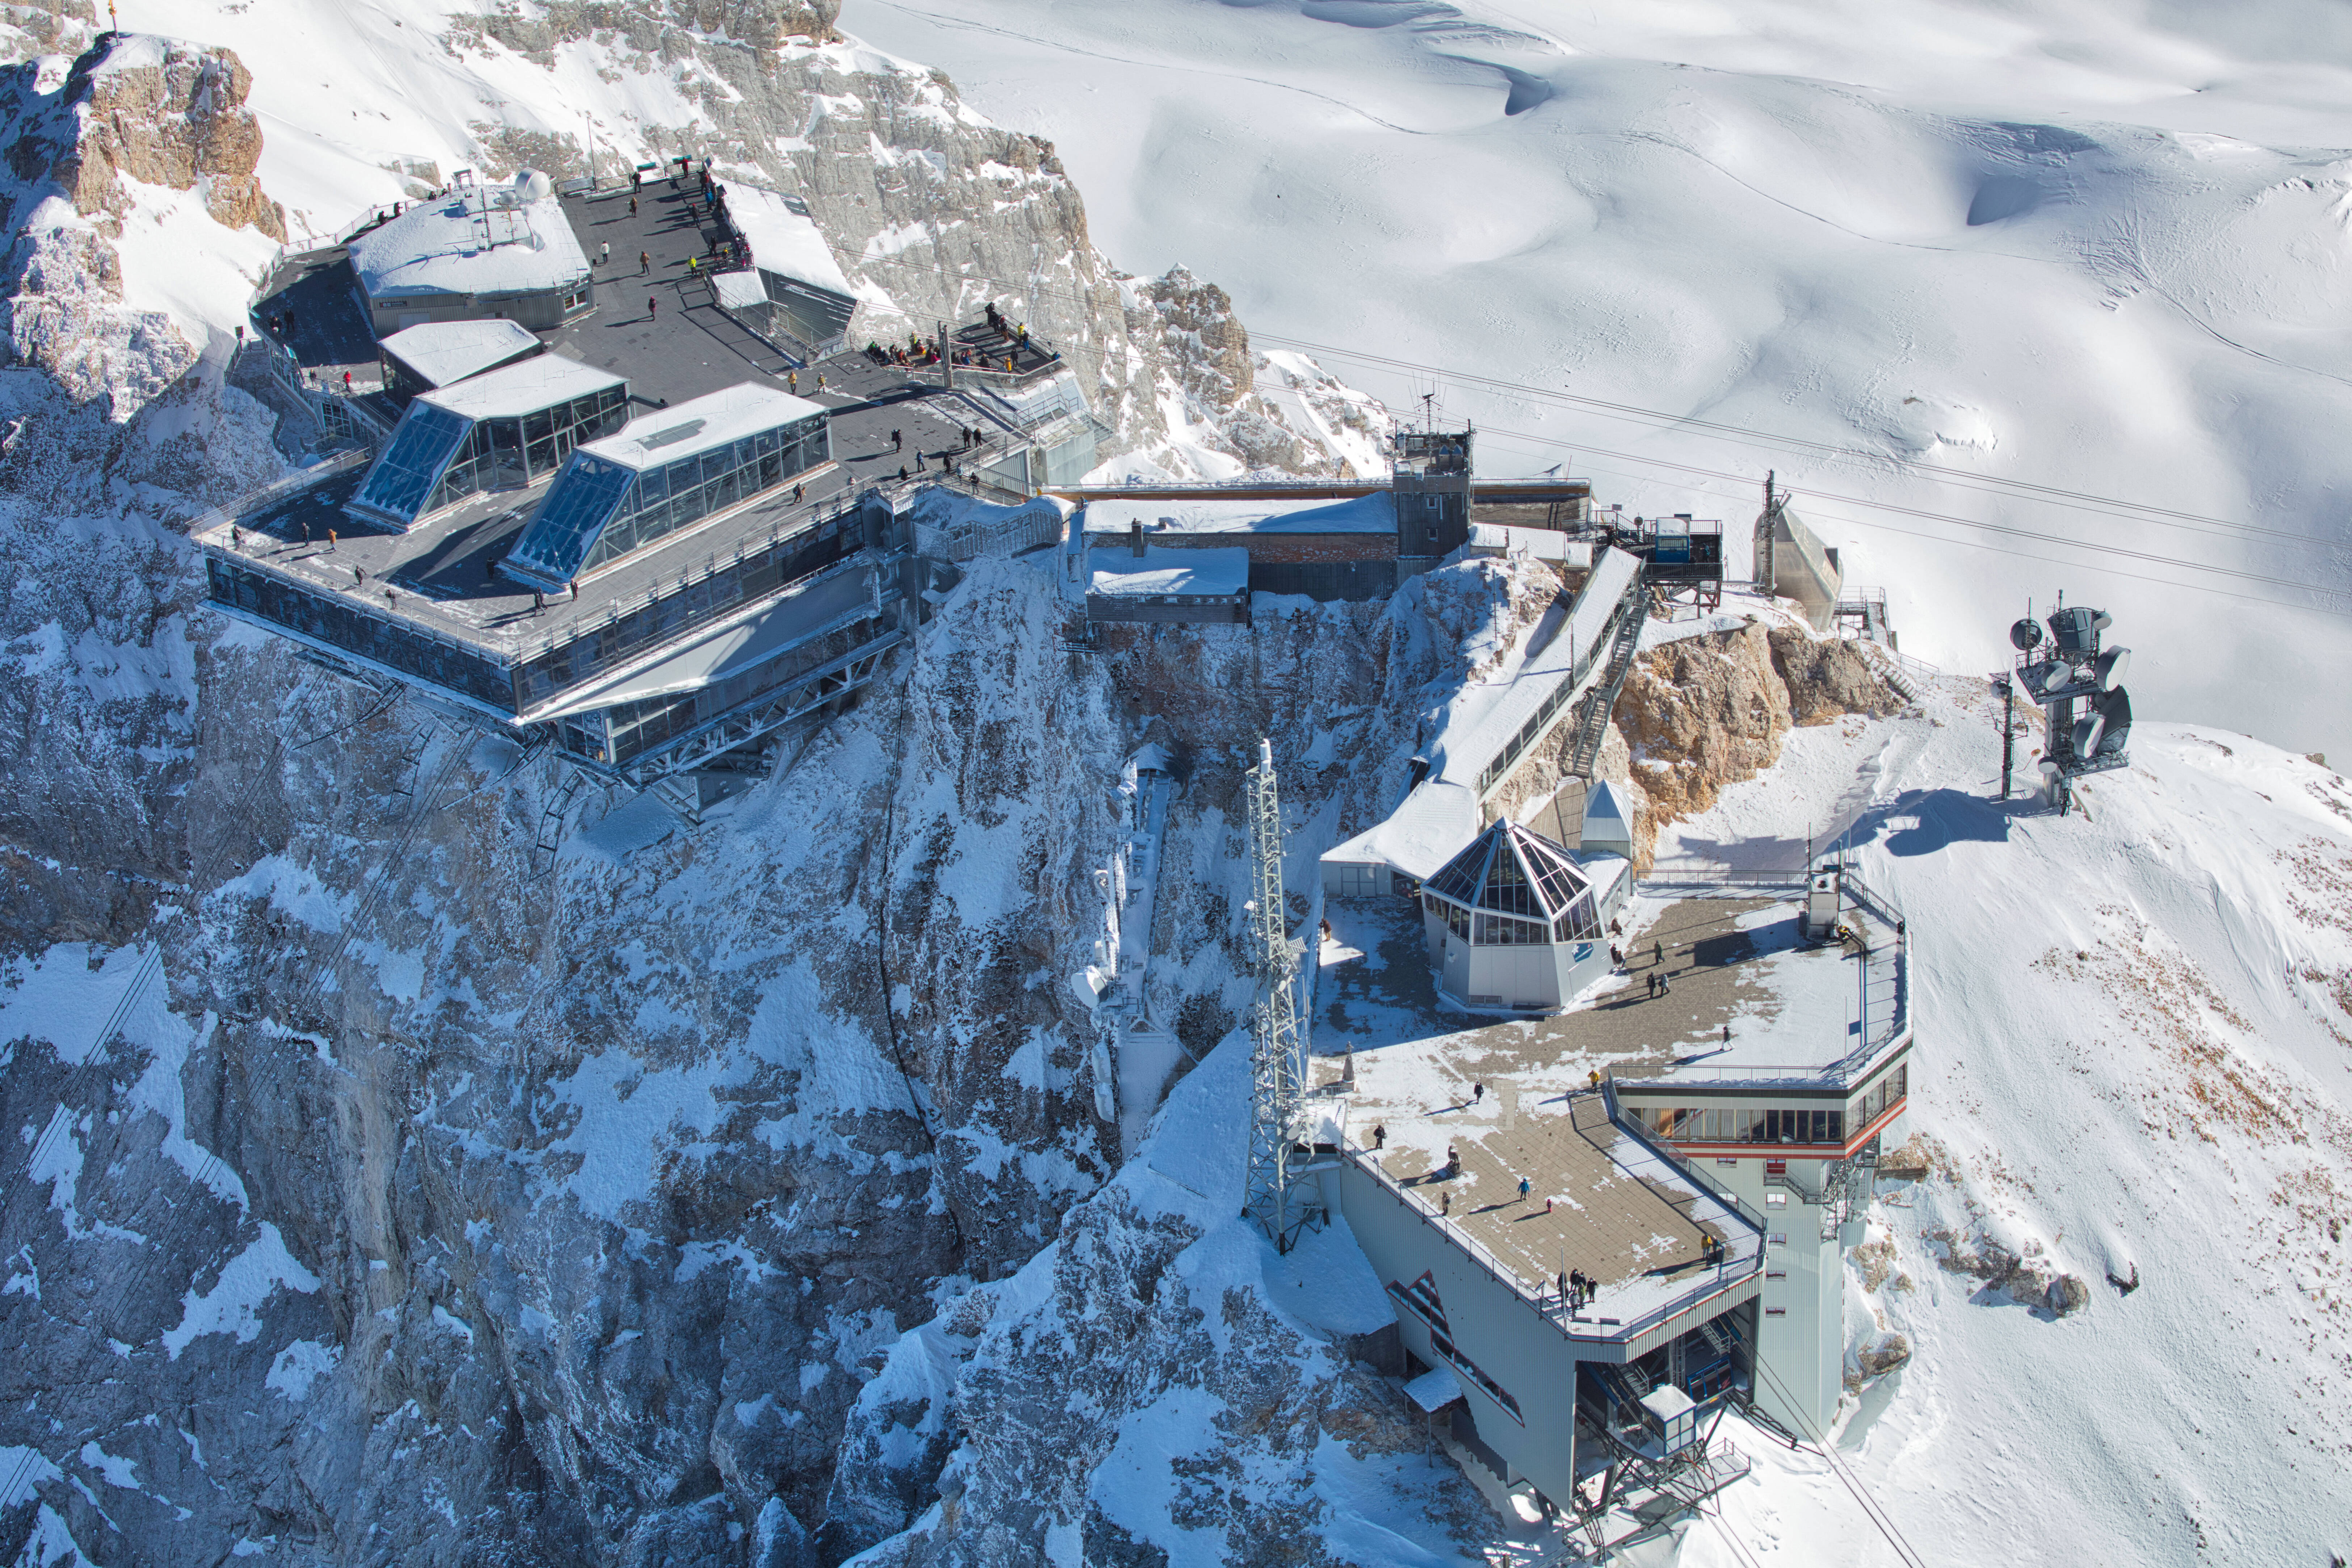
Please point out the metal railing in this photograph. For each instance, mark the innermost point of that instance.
(1038, 523)
(1546, 1303)
(276, 490)
(1670, 875)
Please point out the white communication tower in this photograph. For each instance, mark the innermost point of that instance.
(1277, 1055)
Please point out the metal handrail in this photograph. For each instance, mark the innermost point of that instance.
(253, 499)
(1726, 1273)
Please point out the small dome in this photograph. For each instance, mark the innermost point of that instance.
(1523, 878)
(530, 185)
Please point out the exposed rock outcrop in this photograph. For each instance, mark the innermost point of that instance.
(1706, 712)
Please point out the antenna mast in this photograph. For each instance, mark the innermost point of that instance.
(1278, 1046)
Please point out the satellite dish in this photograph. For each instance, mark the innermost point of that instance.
(2087, 731)
(2024, 636)
(2049, 768)
(2060, 675)
(2110, 668)
(2101, 620)
(2115, 711)
(1087, 983)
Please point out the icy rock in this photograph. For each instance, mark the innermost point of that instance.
(1884, 1355)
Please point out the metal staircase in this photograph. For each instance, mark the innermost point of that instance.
(1592, 716)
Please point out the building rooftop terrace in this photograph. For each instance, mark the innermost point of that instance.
(1514, 1100)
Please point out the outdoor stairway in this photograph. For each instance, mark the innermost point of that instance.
(1592, 718)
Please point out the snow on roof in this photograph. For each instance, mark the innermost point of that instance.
(480, 241)
(1442, 813)
(1665, 1402)
(447, 351)
(1373, 513)
(541, 382)
(1223, 572)
(1434, 1390)
(701, 423)
(735, 290)
(1542, 543)
(783, 237)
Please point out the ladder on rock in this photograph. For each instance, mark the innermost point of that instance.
(1592, 716)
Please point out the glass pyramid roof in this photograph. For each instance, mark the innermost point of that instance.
(1513, 871)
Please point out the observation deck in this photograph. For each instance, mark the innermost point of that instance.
(1786, 1026)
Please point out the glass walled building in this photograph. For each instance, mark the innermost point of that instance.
(508, 429)
(1514, 923)
(665, 472)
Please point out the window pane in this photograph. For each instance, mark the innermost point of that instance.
(585, 497)
(420, 447)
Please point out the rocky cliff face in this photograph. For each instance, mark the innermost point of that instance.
(932, 213)
(386, 1194)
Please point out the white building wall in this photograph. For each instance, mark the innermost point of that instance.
(1800, 1317)
(1509, 1341)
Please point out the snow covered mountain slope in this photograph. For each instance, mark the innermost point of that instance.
(929, 208)
(2098, 248)
(2135, 1065)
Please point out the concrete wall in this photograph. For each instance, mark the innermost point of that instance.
(1110, 607)
(1792, 563)
(1272, 547)
(1487, 1322)
(540, 311)
(1800, 1316)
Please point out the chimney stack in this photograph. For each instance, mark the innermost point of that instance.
(1135, 537)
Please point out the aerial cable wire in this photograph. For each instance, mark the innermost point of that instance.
(1827, 1449)
(2084, 501)
(2030, 535)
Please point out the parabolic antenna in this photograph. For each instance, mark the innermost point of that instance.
(2024, 635)
(2087, 731)
(2115, 711)
(2111, 667)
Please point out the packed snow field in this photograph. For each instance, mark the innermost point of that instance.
(378, 1200)
(2098, 248)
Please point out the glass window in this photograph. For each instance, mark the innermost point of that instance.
(585, 498)
(421, 445)
(1506, 884)
(1462, 876)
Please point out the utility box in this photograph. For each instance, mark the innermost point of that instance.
(1673, 1414)
(1822, 901)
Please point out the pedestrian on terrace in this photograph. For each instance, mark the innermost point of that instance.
(1657, 953)
(1524, 1188)
(330, 542)
(1478, 1093)
(604, 254)
(653, 306)
(1379, 1135)
(632, 205)
(897, 441)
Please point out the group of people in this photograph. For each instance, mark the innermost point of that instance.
(1577, 1289)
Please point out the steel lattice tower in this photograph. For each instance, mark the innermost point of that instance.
(1277, 1053)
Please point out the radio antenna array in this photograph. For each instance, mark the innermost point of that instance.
(1278, 1045)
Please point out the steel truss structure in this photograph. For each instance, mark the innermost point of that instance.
(1278, 1047)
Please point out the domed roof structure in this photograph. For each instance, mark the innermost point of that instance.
(1510, 871)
